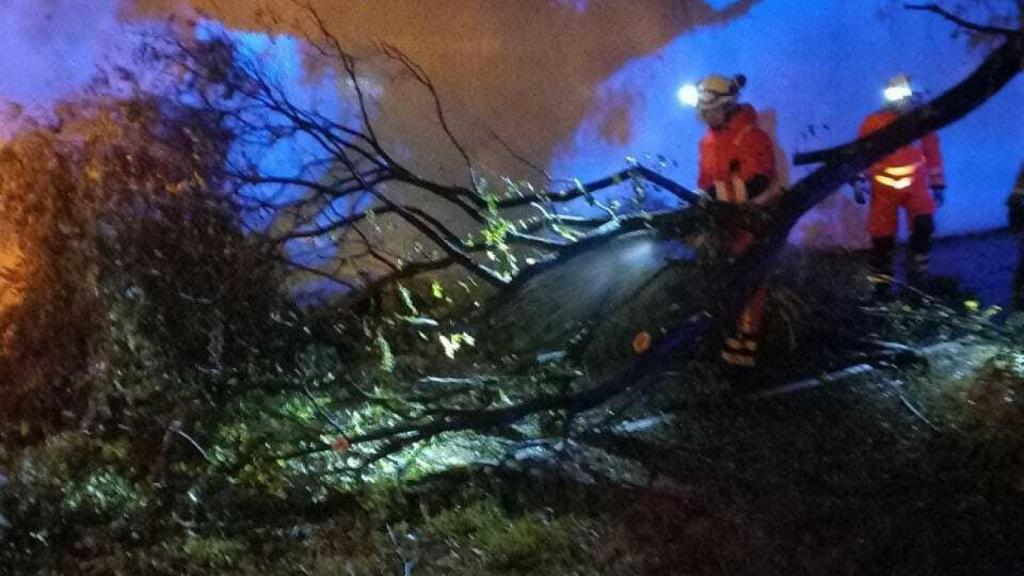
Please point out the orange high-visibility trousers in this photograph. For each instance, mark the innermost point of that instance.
(886, 201)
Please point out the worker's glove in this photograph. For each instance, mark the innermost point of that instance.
(939, 194)
(705, 196)
(860, 189)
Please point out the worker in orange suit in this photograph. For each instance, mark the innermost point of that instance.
(737, 165)
(910, 178)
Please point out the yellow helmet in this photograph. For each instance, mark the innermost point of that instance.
(716, 91)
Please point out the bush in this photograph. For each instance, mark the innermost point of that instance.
(507, 544)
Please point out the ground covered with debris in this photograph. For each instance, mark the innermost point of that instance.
(887, 438)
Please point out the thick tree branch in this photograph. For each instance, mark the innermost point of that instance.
(995, 72)
(843, 162)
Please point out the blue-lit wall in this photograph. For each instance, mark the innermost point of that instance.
(50, 48)
(817, 64)
(820, 64)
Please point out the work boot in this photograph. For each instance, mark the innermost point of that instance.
(739, 363)
(881, 263)
(917, 268)
(881, 287)
(740, 351)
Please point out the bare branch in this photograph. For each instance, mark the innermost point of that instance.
(524, 239)
(423, 78)
(454, 194)
(962, 22)
(316, 272)
(372, 179)
(520, 157)
(348, 62)
(323, 413)
(549, 218)
(377, 254)
(440, 236)
(584, 190)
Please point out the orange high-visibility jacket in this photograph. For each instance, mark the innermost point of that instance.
(922, 159)
(732, 155)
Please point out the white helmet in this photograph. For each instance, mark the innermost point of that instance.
(899, 89)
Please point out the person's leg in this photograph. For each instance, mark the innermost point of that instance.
(1018, 281)
(742, 349)
(882, 248)
(883, 218)
(920, 212)
(919, 249)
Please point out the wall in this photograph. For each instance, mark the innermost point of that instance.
(581, 85)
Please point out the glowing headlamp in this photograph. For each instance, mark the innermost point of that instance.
(897, 93)
(689, 95)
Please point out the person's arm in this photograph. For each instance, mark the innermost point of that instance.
(861, 188)
(936, 171)
(757, 168)
(704, 179)
(933, 159)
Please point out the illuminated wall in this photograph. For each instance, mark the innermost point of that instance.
(50, 47)
(580, 85)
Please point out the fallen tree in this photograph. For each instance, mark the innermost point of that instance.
(350, 179)
(361, 166)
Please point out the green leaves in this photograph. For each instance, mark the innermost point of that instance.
(407, 300)
(452, 343)
(387, 359)
(436, 290)
(495, 233)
